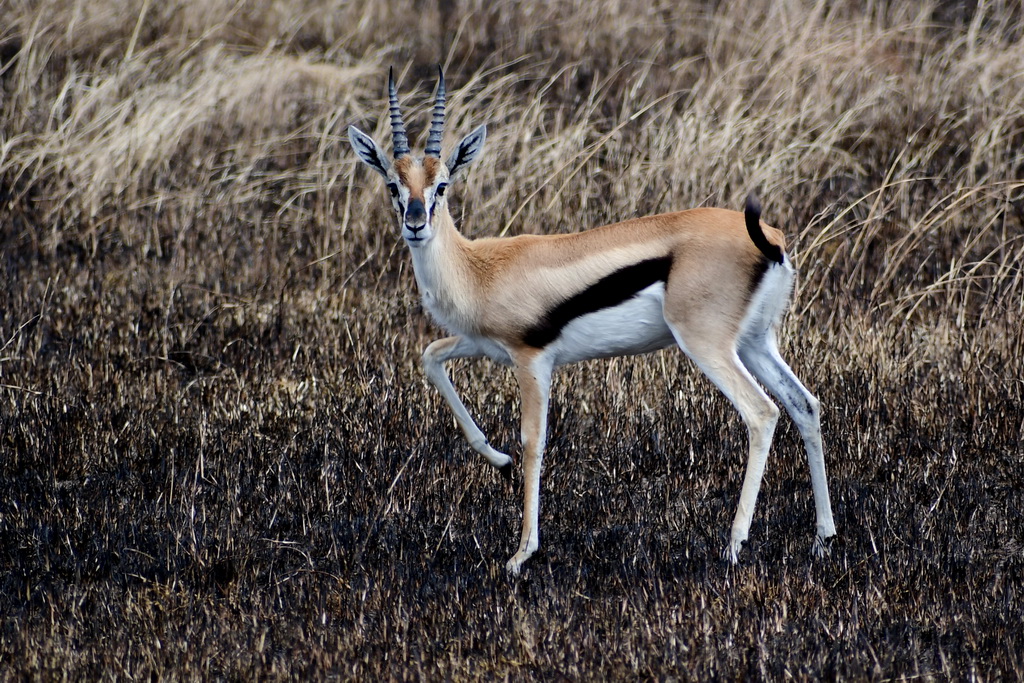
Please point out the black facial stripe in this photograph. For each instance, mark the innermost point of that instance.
(611, 290)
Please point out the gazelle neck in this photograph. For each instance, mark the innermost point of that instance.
(444, 277)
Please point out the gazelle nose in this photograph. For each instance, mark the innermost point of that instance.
(416, 214)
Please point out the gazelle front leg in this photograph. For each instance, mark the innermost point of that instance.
(434, 358)
(534, 376)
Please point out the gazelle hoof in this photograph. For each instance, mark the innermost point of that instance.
(731, 554)
(515, 565)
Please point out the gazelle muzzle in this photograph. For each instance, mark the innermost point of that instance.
(415, 220)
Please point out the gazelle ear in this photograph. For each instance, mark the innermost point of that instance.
(369, 151)
(466, 151)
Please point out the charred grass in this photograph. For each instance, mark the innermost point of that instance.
(219, 457)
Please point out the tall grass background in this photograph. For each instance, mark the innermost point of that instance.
(220, 455)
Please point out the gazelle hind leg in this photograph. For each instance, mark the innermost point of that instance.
(723, 367)
(434, 357)
(534, 376)
(760, 355)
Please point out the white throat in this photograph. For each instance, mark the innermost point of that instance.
(440, 277)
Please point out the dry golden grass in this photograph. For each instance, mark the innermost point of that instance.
(220, 454)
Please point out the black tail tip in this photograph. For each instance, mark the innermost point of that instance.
(506, 471)
(753, 205)
(752, 217)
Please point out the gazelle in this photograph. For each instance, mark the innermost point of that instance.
(713, 281)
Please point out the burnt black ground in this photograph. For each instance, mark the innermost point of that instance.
(269, 499)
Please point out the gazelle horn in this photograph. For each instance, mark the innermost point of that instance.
(437, 122)
(401, 140)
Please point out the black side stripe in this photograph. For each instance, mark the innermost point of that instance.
(609, 291)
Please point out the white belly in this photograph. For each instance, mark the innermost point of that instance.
(637, 325)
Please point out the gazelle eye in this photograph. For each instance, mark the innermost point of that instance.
(439, 192)
(393, 189)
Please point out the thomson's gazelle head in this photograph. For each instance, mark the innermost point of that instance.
(417, 185)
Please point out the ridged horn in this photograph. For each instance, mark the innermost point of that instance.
(401, 140)
(437, 121)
